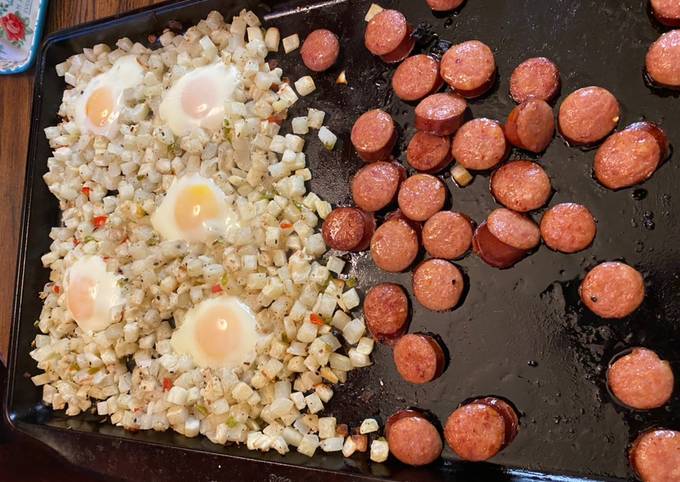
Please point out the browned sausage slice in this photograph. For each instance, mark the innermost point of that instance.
(440, 114)
(655, 456)
(627, 158)
(667, 12)
(375, 185)
(444, 5)
(641, 380)
(419, 358)
(373, 135)
(535, 78)
(663, 60)
(480, 144)
(388, 35)
(416, 77)
(612, 290)
(420, 196)
(438, 284)
(412, 438)
(568, 227)
(320, 50)
(531, 126)
(480, 429)
(394, 245)
(386, 311)
(469, 68)
(513, 229)
(348, 229)
(447, 235)
(494, 252)
(521, 186)
(587, 115)
(658, 133)
(428, 153)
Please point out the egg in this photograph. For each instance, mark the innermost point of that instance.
(98, 107)
(197, 98)
(92, 293)
(218, 333)
(194, 209)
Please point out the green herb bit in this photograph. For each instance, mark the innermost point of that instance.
(202, 410)
(351, 282)
(231, 422)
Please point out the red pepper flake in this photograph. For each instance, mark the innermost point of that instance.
(275, 119)
(99, 221)
(217, 288)
(75, 242)
(285, 225)
(167, 384)
(85, 190)
(316, 319)
(56, 289)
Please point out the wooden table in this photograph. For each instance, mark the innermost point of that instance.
(15, 98)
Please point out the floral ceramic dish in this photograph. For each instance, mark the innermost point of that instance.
(21, 24)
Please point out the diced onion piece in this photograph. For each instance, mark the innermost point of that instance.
(300, 125)
(291, 436)
(308, 445)
(340, 362)
(314, 403)
(349, 448)
(333, 444)
(359, 360)
(324, 392)
(327, 138)
(351, 299)
(342, 78)
(353, 331)
(298, 399)
(461, 176)
(327, 427)
(291, 43)
(365, 346)
(380, 450)
(272, 38)
(335, 264)
(369, 425)
(305, 85)
(315, 118)
(373, 10)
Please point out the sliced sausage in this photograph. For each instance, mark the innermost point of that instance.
(469, 68)
(444, 5)
(375, 185)
(386, 311)
(447, 235)
(494, 252)
(513, 229)
(394, 245)
(612, 290)
(416, 77)
(320, 50)
(412, 438)
(420, 196)
(428, 153)
(655, 456)
(419, 358)
(658, 133)
(667, 12)
(663, 60)
(587, 115)
(440, 114)
(568, 227)
(535, 78)
(521, 186)
(531, 125)
(641, 380)
(480, 429)
(373, 135)
(480, 144)
(437, 284)
(348, 229)
(389, 36)
(627, 158)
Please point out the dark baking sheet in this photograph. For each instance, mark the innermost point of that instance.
(520, 333)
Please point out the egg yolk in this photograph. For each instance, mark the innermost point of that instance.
(195, 205)
(99, 107)
(218, 332)
(80, 298)
(199, 97)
